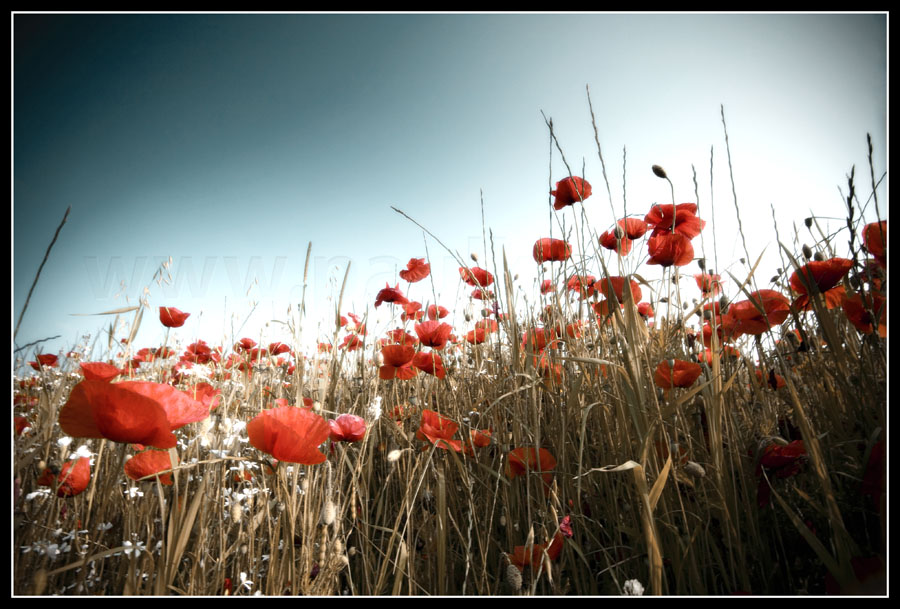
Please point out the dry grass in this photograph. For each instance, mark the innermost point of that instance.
(660, 486)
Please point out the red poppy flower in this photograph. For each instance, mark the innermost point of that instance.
(206, 394)
(416, 270)
(245, 344)
(859, 315)
(430, 363)
(644, 309)
(476, 336)
(438, 430)
(686, 223)
(289, 434)
(131, 412)
(553, 250)
(668, 249)
(21, 424)
(764, 309)
(476, 277)
(611, 241)
(522, 460)
(399, 336)
(618, 284)
(818, 276)
(99, 371)
(433, 333)
(708, 283)
(390, 294)
(352, 342)
(437, 312)
(278, 348)
(397, 362)
(347, 428)
(538, 339)
(171, 317)
(569, 191)
(73, 478)
(478, 294)
(583, 284)
(46, 360)
(521, 557)
(776, 457)
(148, 463)
(634, 228)
(875, 241)
(676, 373)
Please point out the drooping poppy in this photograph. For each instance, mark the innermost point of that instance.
(430, 362)
(289, 434)
(347, 428)
(439, 431)
(148, 463)
(397, 362)
(412, 310)
(433, 333)
(551, 250)
(416, 270)
(476, 276)
(669, 249)
(875, 241)
(645, 309)
(390, 294)
(676, 373)
(546, 286)
(245, 344)
(569, 191)
(171, 317)
(131, 412)
(99, 371)
(480, 294)
(819, 276)
(680, 219)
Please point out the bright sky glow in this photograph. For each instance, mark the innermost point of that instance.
(230, 142)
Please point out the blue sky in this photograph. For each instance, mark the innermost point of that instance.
(230, 142)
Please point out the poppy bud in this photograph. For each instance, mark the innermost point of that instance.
(659, 172)
(818, 256)
(474, 256)
(701, 262)
(808, 222)
(328, 512)
(807, 252)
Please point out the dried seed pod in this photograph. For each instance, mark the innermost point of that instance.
(328, 512)
(819, 257)
(474, 256)
(513, 578)
(701, 262)
(694, 469)
(808, 222)
(236, 512)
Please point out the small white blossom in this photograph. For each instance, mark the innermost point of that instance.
(374, 409)
(134, 492)
(633, 588)
(64, 441)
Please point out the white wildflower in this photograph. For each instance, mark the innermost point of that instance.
(64, 441)
(633, 588)
(374, 409)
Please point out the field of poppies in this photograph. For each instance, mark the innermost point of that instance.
(592, 445)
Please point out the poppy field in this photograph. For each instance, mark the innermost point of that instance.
(609, 439)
